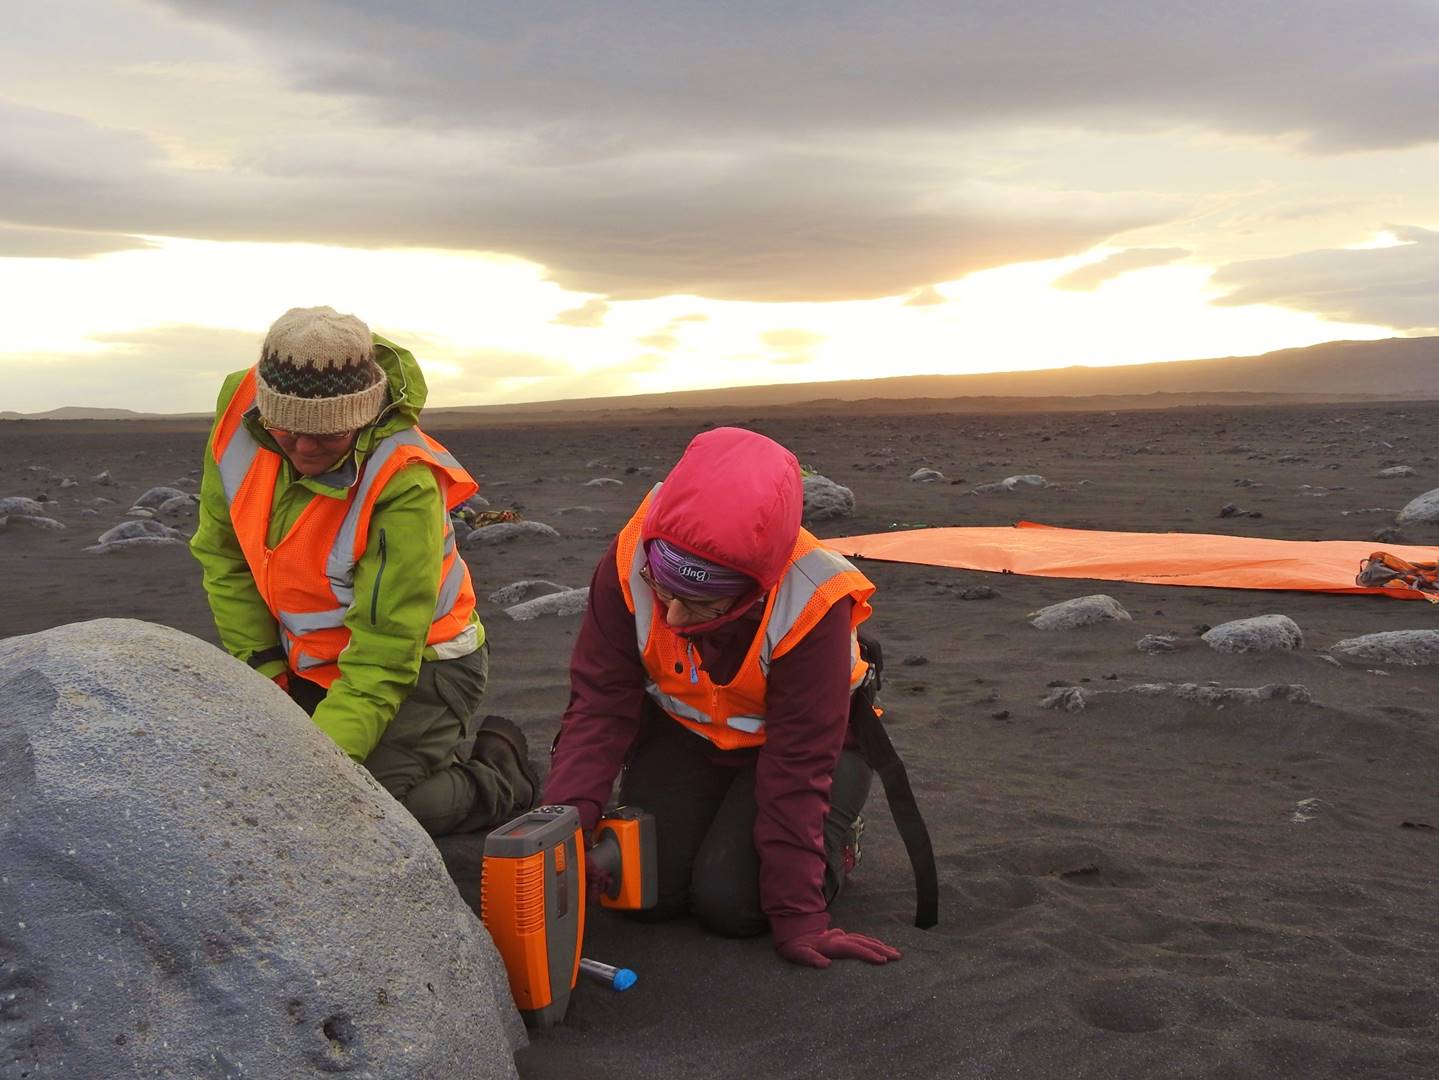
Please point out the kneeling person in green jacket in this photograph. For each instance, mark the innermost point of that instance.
(330, 564)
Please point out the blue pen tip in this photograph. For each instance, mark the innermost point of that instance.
(624, 979)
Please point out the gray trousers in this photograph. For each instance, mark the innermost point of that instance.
(422, 759)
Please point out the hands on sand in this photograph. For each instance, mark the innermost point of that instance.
(817, 950)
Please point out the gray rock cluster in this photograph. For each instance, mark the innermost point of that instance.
(172, 503)
(1226, 695)
(196, 882)
(136, 533)
(1077, 698)
(20, 511)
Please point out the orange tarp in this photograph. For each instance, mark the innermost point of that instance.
(1222, 562)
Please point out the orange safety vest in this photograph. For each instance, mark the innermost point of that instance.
(307, 580)
(732, 716)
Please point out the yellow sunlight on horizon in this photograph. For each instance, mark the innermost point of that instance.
(489, 320)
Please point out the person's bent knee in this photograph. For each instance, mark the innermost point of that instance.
(728, 915)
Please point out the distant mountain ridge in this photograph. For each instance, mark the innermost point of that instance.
(1338, 370)
(81, 412)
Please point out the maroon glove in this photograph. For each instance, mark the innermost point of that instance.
(597, 881)
(818, 949)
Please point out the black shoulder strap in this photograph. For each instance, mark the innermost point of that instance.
(879, 752)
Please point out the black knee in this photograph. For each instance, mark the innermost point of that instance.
(725, 899)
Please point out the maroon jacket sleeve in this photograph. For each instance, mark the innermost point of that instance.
(607, 689)
(806, 718)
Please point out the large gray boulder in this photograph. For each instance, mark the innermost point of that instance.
(196, 882)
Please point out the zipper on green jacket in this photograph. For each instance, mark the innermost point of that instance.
(375, 592)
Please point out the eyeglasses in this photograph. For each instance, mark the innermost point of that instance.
(703, 609)
(336, 440)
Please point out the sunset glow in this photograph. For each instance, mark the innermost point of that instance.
(167, 197)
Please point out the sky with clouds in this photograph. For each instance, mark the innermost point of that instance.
(553, 200)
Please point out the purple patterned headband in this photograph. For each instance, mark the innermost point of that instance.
(685, 574)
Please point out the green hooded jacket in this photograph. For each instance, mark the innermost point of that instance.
(397, 580)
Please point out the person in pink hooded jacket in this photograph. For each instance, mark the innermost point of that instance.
(715, 667)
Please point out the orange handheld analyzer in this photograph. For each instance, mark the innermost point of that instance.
(532, 896)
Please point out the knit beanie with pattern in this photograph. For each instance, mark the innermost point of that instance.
(317, 373)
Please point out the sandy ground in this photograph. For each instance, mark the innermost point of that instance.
(1145, 888)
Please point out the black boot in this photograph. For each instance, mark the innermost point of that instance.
(501, 746)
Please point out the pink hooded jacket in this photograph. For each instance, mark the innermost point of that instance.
(735, 498)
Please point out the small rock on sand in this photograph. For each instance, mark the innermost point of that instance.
(1154, 644)
(132, 543)
(517, 592)
(1262, 633)
(1395, 472)
(153, 498)
(45, 524)
(504, 531)
(129, 529)
(1067, 699)
(1081, 611)
(1400, 648)
(926, 476)
(604, 481)
(1421, 511)
(179, 506)
(569, 602)
(1012, 483)
(825, 500)
(20, 506)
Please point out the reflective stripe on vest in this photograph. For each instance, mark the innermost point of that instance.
(791, 611)
(313, 639)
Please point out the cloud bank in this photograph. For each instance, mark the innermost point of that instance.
(1389, 286)
(802, 151)
(1095, 274)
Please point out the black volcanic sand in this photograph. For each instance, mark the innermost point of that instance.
(1141, 889)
